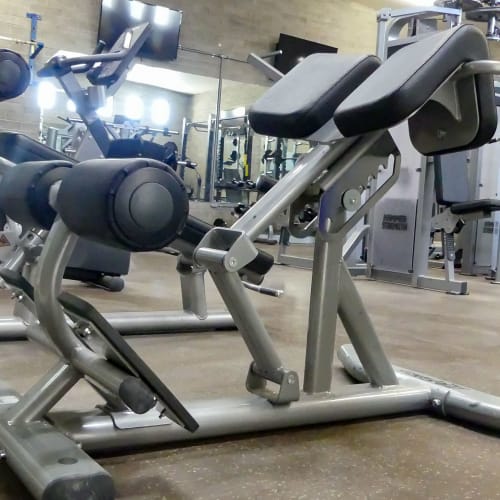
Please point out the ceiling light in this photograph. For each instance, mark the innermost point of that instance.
(134, 107)
(46, 95)
(160, 112)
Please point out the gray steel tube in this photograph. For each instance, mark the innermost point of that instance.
(446, 398)
(308, 167)
(238, 416)
(138, 323)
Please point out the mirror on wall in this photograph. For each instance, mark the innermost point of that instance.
(178, 109)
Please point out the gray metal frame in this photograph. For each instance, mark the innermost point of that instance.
(390, 35)
(48, 449)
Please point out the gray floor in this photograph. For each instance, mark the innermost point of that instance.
(413, 457)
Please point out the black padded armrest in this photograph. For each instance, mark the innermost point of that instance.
(305, 98)
(19, 148)
(17, 280)
(408, 79)
(486, 207)
(80, 309)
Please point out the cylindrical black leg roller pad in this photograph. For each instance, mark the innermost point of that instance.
(137, 204)
(15, 74)
(25, 190)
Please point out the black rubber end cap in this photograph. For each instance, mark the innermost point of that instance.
(134, 393)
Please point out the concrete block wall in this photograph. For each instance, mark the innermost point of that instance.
(65, 24)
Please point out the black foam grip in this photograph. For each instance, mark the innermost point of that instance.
(137, 204)
(15, 74)
(134, 393)
(195, 229)
(25, 189)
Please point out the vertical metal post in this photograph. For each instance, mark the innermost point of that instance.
(469, 232)
(184, 139)
(496, 281)
(192, 289)
(322, 314)
(215, 143)
(210, 155)
(448, 243)
(34, 49)
(383, 18)
(423, 221)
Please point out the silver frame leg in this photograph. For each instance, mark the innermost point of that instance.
(322, 315)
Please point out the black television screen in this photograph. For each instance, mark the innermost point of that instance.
(295, 50)
(118, 15)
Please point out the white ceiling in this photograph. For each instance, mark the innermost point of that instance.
(171, 80)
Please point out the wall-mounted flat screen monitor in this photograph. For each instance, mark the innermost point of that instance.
(118, 15)
(294, 50)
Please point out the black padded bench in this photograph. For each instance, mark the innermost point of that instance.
(306, 99)
(452, 188)
(19, 148)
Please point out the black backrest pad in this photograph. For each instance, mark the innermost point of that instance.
(451, 178)
(406, 81)
(305, 98)
(15, 74)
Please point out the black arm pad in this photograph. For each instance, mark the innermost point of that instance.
(195, 229)
(15, 74)
(136, 204)
(264, 183)
(24, 192)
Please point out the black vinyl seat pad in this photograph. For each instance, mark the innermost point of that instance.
(486, 206)
(408, 79)
(305, 98)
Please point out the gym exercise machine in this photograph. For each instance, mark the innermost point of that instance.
(400, 226)
(442, 86)
(397, 244)
(194, 316)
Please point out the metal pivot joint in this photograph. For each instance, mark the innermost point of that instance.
(224, 252)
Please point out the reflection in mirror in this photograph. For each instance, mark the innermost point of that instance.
(177, 110)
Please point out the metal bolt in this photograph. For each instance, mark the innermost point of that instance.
(233, 262)
(3, 454)
(291, 379)
(436, 403)
(87, 331)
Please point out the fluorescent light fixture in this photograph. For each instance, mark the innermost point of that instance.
(107, 3)
(107, 110)
(71, 106)
(136, 9)
(134, 107)
(46, 95)
(160, 112)
(161, 16)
